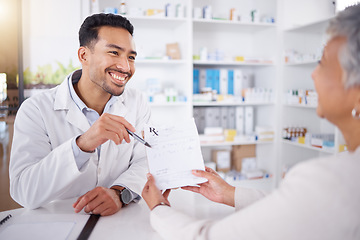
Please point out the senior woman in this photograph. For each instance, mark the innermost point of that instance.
(318, 199)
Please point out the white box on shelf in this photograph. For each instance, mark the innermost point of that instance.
(231, 118)
(249, 120)
(238, 82)
(211, 138)
(224, 117)
(202, 78)
(213, 131)
(240, 120)
(199, 119)
(222, 158)
(212, 116)
(248, 164)
(223, 81)
(254, 174)
(264, 133)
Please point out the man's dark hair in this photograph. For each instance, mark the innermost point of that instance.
(88, 33)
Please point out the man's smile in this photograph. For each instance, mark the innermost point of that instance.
(119, 78)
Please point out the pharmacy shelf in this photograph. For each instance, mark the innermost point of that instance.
(168, 104)
(231, 63)
(155, 18)
(305, 63)
(300, 106)
(156, 21)
(159, 61)
(314, 27)
(211, 104)
(324, 150)
(307, 39)
(215, 25)
(221, 144)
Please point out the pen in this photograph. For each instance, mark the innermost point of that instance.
(138, 138)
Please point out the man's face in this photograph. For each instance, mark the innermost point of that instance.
(334, 101)
(112, 60)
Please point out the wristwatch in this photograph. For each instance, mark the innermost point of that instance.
(124, 195)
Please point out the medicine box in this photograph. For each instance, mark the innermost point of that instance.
(239, 152)
(222, 158)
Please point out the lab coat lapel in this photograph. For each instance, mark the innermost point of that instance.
(63, 102)
(77, 118)
(119, 109)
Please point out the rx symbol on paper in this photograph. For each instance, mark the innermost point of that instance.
(153, 130)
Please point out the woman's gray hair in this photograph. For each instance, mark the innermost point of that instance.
(347, 24)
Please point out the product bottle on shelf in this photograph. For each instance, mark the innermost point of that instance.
(122, 8)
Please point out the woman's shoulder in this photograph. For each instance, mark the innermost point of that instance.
(339, 162)
(338, 172)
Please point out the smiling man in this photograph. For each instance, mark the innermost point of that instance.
(71, 141)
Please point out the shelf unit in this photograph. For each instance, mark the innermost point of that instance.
(267, 41)
(316, 149)
(304, 63)
(224, 103)
(307, 38)
(251, 25)
(248, 39)
(229, 63)
(316, 26)
(221, 144)
(153, 33)
(159, 61)
(300, 106)
(145, 19)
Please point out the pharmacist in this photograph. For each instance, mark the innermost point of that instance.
(71, 141)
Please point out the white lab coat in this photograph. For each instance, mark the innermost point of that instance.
(42, 165)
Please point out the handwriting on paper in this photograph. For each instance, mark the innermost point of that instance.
(175, 152)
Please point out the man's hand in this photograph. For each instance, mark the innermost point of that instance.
(215, 189)
(152, 195)
(100, 200)
(107, 127)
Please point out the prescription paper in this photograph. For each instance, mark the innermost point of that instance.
(175, 151)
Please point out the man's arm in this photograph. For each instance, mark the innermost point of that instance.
(39, 169)
(133, 178)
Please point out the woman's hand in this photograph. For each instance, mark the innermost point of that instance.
(215, 189)
(152, 195)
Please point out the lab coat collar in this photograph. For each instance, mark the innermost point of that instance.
(64, 102)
